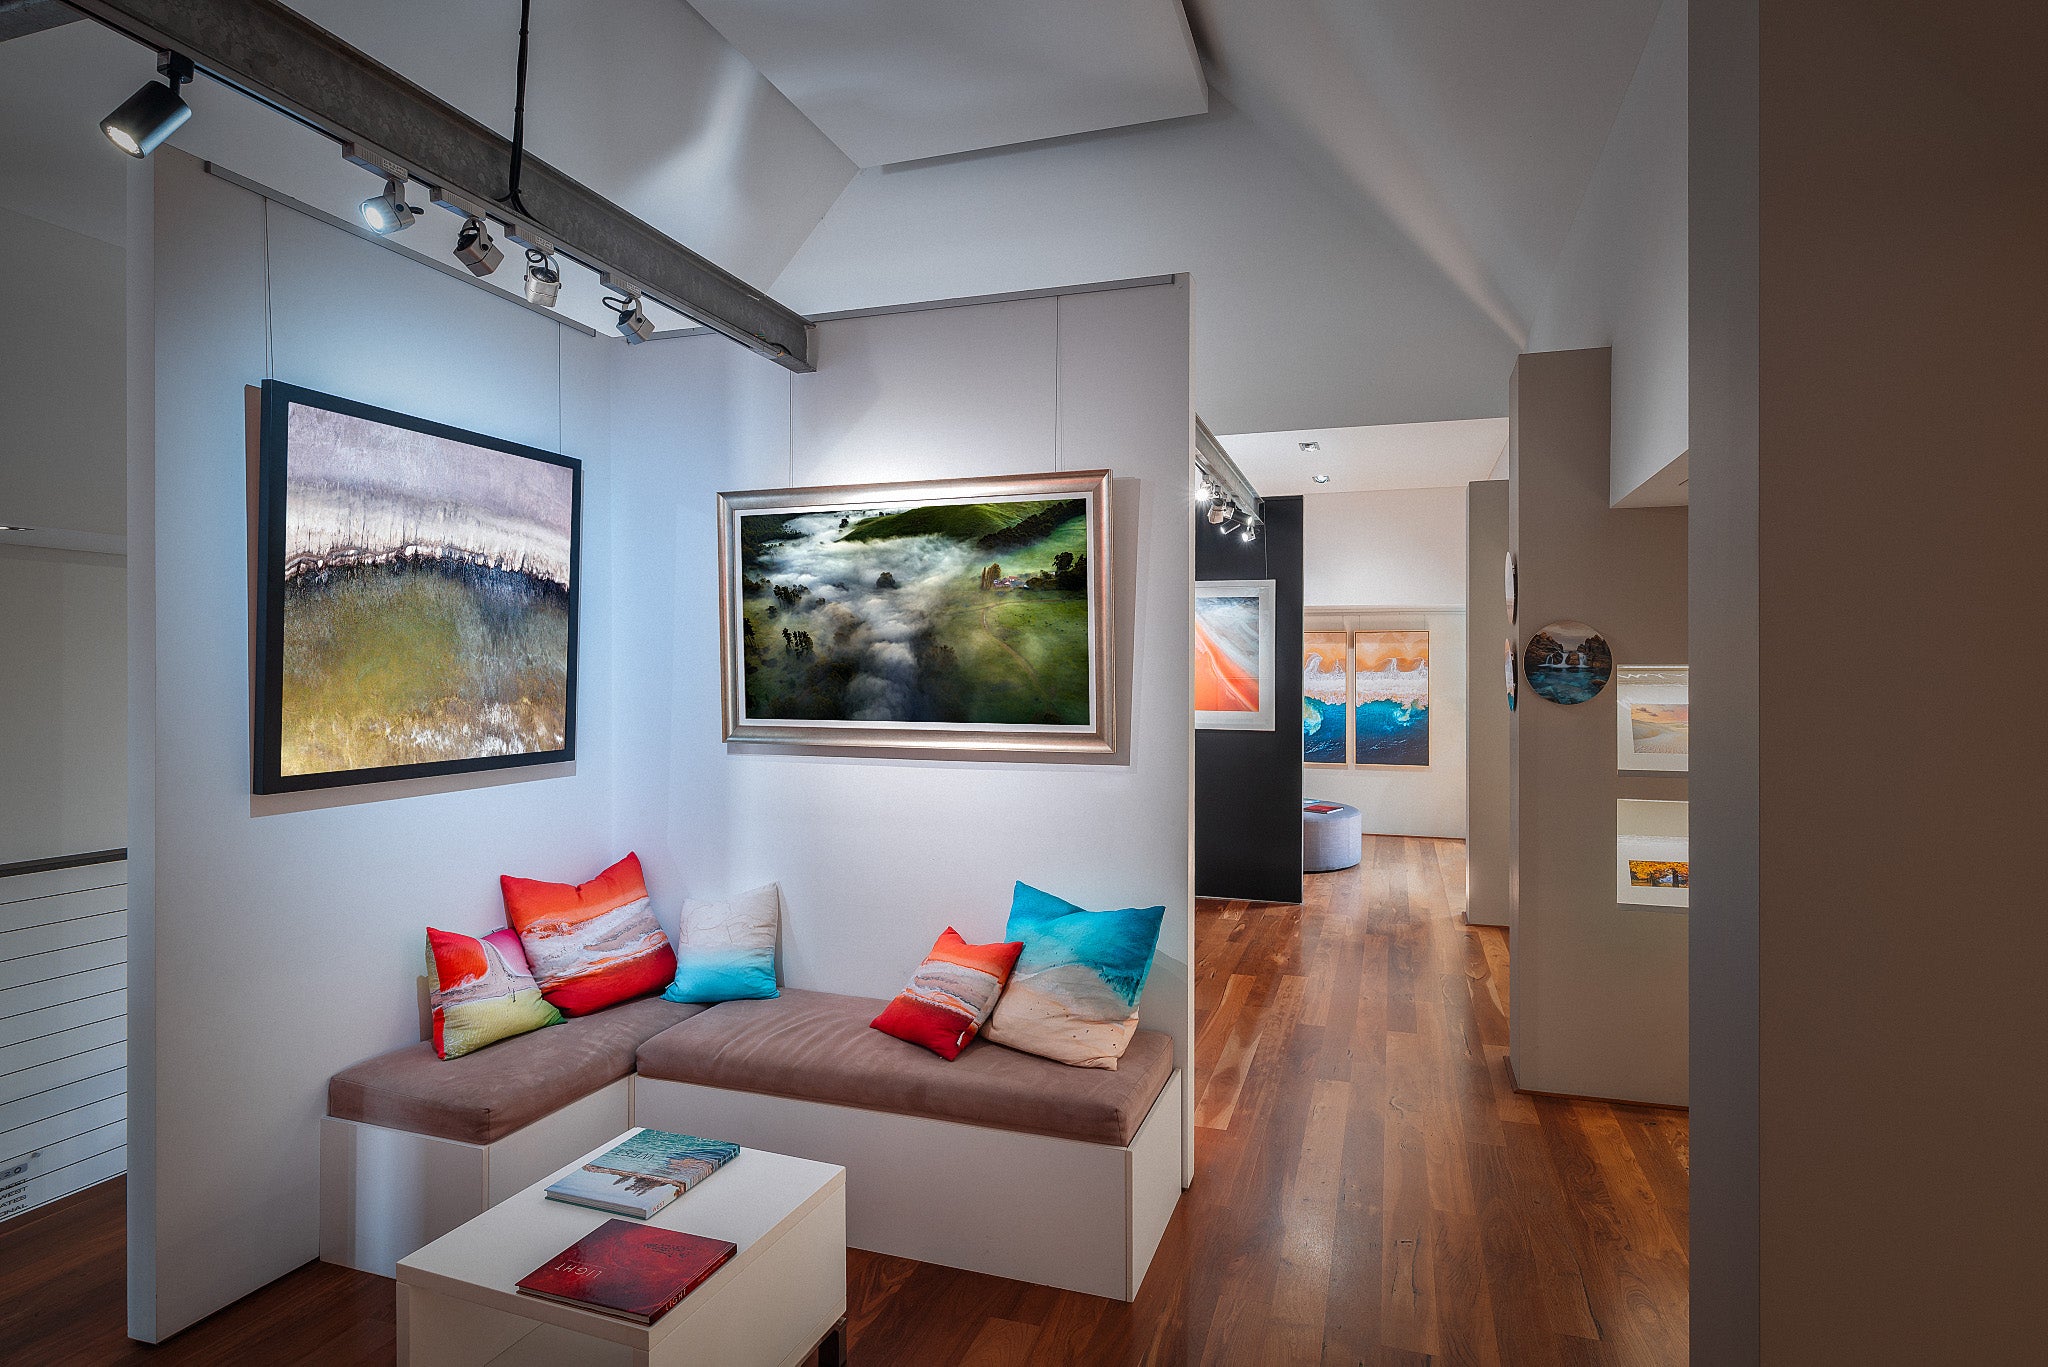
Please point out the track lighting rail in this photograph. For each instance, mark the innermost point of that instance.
(274, 55)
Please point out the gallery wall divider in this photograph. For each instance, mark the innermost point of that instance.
(1599, 1001)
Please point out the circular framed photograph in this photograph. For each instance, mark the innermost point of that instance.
(1568, 662)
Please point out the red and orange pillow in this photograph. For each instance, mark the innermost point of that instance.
(591, 944)
(950, 995)
(483, 991)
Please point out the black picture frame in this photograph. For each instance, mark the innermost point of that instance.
(269, 551)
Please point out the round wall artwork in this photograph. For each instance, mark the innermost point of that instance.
(1511, 588)
(1568, 662)
(1511, 674)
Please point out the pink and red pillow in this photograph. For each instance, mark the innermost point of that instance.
(483, 991)
(591, 944)
(950, 995)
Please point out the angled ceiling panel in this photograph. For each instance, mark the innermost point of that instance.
(905, 80)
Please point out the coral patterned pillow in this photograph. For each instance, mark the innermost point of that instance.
(483, 991)
(950, 995)
(591, 944)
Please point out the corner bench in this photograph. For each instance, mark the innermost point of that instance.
(999, 1161)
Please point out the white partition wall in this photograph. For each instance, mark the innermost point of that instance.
(279, 939)
(876, 855)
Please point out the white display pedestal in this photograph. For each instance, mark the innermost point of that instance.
(783, 1293)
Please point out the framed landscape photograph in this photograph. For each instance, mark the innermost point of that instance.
(416, 597)
(1653, 718)
(1234, 683)
(969, 614)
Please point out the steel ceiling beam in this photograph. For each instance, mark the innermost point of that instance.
(278, 57)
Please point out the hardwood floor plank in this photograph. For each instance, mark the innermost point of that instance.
(1370, 1190)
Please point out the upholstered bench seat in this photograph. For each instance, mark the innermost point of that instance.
(818, 1046)
(480, 1098)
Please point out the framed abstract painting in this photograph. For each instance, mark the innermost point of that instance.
(1233, 633)
(416, 597)
(1390, 697)
(945, 615)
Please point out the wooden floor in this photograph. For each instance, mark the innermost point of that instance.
(1369, 1189)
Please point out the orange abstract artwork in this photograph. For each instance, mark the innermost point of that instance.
(1227, 653)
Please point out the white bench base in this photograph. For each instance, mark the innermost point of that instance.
(1058, 1212)
(385, 1193)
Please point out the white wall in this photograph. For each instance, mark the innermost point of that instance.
(876, 855)
(1309, 311)
(1621, 281)
(1390, 548)
(1396, 560)
(278, 939)
(64, 675)
(63, 452)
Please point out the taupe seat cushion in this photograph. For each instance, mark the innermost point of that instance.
(482, 1097)
(818, 1046)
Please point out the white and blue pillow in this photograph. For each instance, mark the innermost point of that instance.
(1073, 996)
(725, 951)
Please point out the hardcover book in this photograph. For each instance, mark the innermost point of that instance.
(642, 1174)
(633, 1272)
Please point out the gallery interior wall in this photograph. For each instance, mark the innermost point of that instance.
(1599, 1002)
(876, 854)
(279, 939)
(1869, 190)
(1486, 705)
(1248, 784)
(1395, 560)
(1621, 280)
(63, 585)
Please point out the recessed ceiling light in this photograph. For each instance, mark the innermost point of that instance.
(1310, 445)
(1320, 479)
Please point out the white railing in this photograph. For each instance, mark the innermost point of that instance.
(63, 1029)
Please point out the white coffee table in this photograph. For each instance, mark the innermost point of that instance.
(783, 1293)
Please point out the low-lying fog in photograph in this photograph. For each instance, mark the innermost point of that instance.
(974, 613)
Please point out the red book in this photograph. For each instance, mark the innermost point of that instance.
(633, 1271)
(1320, 807)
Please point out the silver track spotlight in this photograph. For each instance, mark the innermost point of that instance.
(152, 113)
(543, 279)
(389, 213)
(475, 249)
(1220, 511)
(634, 325)
(1206, 494)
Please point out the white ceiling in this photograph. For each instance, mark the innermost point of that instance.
(901, 80)
(1416, 455)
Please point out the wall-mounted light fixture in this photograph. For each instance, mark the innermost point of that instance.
(476, 249)
(152, 113)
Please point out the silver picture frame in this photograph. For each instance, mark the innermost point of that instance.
(1098, 735)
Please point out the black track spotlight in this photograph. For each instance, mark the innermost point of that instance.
(475, 248)
(152, 113)
(543, 279)
(388, 213)
(634, 325)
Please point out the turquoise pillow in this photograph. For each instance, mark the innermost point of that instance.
(725, 951)
(1074, 994)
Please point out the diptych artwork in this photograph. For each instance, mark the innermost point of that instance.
(1233, 633)
(1513, 678)
(965, 614)
(1325, 696)
(1511, 587)
(1568, 662)
(417, 597)
(1390, 697)
(1652, 718)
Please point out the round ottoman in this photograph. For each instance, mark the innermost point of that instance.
(1330, 839)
